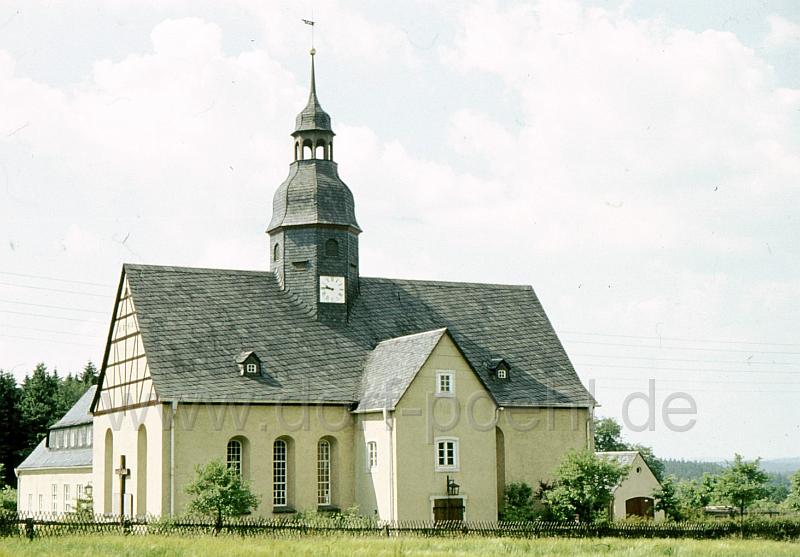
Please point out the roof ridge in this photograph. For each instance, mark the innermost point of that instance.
(185, 269)
(451, 284)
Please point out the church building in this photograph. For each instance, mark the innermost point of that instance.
(325, 389)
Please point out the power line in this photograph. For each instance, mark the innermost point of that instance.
(54, 307)
(683, 348)
(716, 370)
(648, 358)
(49, 340)
(680, 339)
(53, 289)
(56, 279)
(711, 381)
(51, 316)
(47, 331)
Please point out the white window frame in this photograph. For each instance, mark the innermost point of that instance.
(55, 497)
(252, 368)
(234, 456)
(280, 474)
(456, 457)
(502, 373)
(372, 455)
(67, 499)
(451, 375)
(323, 472)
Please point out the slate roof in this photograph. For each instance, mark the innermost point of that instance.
(80, 411)
(194, 323)
(313, 193)
(42, 457)
(391, 367)
(625, 458)
(313, 117)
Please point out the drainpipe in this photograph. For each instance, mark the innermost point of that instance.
(172, 459)
(390, 426)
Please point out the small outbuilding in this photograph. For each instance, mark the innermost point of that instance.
(633, 496)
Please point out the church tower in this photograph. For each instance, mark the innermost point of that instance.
(313, 232)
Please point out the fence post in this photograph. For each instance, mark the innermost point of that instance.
(386, 527)
(29, 532)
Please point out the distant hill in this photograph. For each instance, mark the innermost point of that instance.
(690, 469)
(781, 465)
(694, 469)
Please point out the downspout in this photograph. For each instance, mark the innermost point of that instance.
(390, 426)
(174, 407)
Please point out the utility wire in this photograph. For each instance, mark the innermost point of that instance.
(680, 339)
(54, 307)
(682, 348)
(715, 370)
(52, 331)
(53, 289)
(50, 316)
(49, 340)
(651, 359)
(55, 279)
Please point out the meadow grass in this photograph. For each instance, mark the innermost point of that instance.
(157, 546)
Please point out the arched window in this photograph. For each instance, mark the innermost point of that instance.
(108, 473)
(324, 472)
(320, 152)
(296, 150)
(276, 252)
(308, 149)
(234, 455)
(332, 248)
(279, 476)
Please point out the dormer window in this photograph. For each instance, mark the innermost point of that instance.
(249, 363)
(500, 369)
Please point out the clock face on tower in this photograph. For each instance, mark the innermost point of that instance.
(331, 290)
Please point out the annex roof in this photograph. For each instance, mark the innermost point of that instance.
(625, 458)
(194, 322)
(80, 411)
(391, 367)
(43, 457)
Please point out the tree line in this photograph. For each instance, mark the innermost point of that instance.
(28, 409)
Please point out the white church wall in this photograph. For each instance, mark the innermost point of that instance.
(374, 484)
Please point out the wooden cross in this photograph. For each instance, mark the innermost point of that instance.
(123, 473)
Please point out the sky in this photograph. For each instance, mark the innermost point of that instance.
(637, 162)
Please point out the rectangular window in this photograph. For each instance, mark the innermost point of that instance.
(55, 498)
(372, 455)
(41, 502)
(67, 500)
(251, 368)
(501, 373)
(323, 473)
(446, 455)
(78, 492)
(234, 456)
(88, 436)
(279, 473)
(445, 383)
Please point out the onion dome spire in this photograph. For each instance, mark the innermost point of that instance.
(313, 117)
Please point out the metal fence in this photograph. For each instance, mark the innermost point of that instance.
(39, 526)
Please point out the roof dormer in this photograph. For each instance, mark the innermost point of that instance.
(249, 364)
(500, 369)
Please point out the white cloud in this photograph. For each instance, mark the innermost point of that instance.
(782, 33)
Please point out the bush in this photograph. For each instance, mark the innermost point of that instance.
(8, 499)
(518, 503)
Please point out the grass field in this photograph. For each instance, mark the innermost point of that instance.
(154, 546)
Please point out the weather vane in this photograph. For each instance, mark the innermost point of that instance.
(311, 23)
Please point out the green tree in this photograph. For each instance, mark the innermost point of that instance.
(655, 464)
(583, 486)
(742, 483)
(89, 375)
(793, 500)
(667, 499)
(12, 437)
(518, 502)
(38, 405)
(220, 492)
(608, 435)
